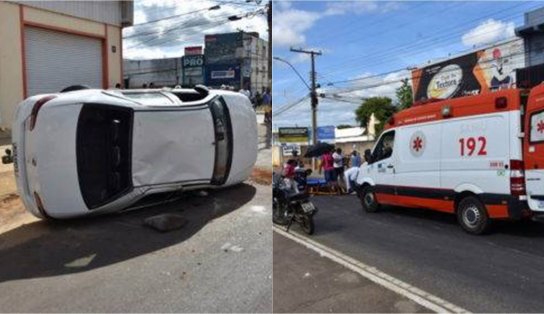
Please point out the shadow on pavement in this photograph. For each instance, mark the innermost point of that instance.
(72, 246)
(522, 228)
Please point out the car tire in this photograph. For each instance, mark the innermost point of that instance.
(472, 215)
(368, 199)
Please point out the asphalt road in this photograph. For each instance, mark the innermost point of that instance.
(499, 272)
(221, 261)
(305, 282)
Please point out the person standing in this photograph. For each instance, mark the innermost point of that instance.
(267, 98)
(327, 165)
(355, 160)
(338, 162)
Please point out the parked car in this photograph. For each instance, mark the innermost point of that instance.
(91, 151)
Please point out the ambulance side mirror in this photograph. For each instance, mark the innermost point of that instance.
(368, 156)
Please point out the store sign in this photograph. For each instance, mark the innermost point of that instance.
(293, 135)
(288, 149)
(193, 61)
(193, 50)
(326, 133)
(228, 74)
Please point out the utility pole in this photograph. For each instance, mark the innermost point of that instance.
(269, 20)
(313, 92)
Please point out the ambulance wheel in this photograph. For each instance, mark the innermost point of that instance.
(472, 215)
(368, 200)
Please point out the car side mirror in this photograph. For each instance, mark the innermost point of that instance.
(8, 158)
(368, 156)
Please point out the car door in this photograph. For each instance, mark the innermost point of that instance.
(533, 149)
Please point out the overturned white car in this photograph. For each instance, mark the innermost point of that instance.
(95, 151)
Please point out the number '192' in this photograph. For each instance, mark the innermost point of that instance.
(471, 145)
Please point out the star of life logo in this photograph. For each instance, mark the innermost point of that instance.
(417, 144)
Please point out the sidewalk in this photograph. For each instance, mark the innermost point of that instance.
(306, 282)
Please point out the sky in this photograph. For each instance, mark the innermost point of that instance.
(167, 38)
(359, 39)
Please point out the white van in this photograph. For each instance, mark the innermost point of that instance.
(480, 157)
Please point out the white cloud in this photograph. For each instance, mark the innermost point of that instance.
(191, 28)
(488, 32)
(289, 25)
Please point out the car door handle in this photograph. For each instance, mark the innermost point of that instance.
(390, 166)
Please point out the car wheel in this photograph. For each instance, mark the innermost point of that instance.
(472, 215)
(368, 200)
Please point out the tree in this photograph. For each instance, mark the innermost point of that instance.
(381, 107)
(404, 95)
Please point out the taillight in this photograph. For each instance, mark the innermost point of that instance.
(37, 106)
(517, 178)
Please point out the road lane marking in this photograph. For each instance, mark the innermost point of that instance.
(417, 295)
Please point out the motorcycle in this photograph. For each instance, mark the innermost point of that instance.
(288, 206)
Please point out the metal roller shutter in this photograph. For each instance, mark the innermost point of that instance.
(56, 60)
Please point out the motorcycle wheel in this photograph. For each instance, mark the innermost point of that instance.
(307, 224)
(278, 213)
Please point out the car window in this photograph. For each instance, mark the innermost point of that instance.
(149, 98)
(384, 148)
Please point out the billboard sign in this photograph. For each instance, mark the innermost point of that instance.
(288, 149)
(471, 74)
(223, 74)
(326, 133)
(223, 48)
(293, 135)
(193, 50)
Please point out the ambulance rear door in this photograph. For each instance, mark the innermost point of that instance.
(533, 149)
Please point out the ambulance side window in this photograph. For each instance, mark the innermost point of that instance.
(384, 148)
(536, 133)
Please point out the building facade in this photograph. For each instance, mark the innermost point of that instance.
(49, 45)
(238, 60)
(158, 72)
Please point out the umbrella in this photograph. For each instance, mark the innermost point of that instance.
(318, 149)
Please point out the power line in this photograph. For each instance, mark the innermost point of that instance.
(289, 106)
(162, 38)
(424, 44)
(215, 7)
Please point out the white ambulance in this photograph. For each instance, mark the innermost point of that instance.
(479, 157)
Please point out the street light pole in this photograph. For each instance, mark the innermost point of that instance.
(269, 21)
(313, 94)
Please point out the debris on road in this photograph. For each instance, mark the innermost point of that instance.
(166, 222)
